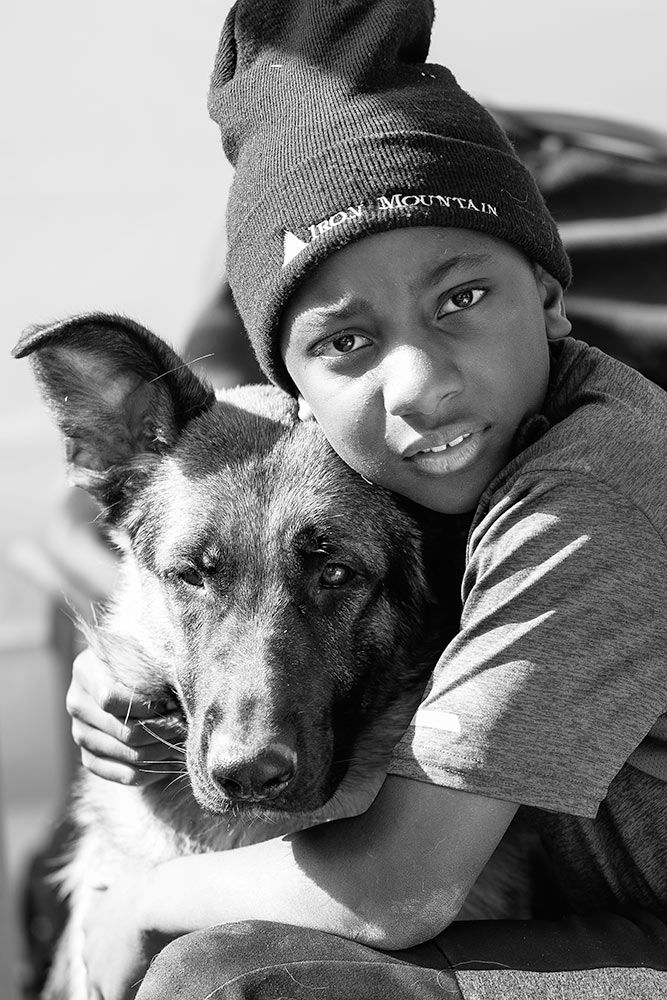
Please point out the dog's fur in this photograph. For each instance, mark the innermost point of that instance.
(282, 599)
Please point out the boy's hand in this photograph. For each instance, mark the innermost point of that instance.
(123, 736)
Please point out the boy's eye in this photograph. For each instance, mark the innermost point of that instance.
(343, 343)
(461, 300)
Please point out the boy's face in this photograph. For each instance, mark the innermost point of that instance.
(419, 352)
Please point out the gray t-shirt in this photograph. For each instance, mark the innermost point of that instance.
(554, 692)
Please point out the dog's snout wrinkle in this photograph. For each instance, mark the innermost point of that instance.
(248, 774)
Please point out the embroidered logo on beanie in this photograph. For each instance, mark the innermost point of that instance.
(293, 244)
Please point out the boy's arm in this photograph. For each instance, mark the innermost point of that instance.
(390, 878)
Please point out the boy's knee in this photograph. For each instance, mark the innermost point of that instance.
(239, 960)
(199, 963)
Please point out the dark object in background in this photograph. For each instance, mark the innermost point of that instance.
(605, 183)
(44, 911)
(219, 340)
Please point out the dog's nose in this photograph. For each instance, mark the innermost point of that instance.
(260, 777)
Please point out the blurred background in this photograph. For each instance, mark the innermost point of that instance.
(112, 195)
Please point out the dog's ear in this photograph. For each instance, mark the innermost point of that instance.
(118, 394)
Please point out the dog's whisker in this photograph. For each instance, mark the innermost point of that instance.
(223, 821)
(148, 770)
(208, 830)
(174, 781)
(165, 761)
(185, 364)
(172, 746)
(129, 707)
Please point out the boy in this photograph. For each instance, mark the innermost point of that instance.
(396, 267)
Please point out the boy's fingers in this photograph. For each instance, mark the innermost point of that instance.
(100, 744)
(91, 676)
(83, 708)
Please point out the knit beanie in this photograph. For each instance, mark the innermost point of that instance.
(338, 129)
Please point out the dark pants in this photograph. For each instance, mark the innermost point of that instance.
(594, 957)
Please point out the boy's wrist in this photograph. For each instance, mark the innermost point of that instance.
(171, 901)
(153, 912)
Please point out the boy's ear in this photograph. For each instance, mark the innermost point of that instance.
(556, 322)
(119, 394)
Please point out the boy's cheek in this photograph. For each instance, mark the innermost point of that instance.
(363, 453)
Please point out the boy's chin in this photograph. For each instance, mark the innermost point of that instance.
(440, 498)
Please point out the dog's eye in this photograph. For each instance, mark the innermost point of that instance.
(191, 576)
(335, 575)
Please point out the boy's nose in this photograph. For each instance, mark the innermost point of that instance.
(416, 382)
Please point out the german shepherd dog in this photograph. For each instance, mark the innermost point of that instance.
(285, 603)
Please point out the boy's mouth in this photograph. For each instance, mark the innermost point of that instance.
(450, 444)
(447, 451)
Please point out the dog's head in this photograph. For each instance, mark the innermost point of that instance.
(283, 595)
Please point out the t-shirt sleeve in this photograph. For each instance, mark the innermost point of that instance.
(560, 666)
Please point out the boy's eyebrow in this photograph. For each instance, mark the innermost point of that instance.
(442, 270)
(348, 308)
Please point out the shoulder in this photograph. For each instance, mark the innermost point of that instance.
(563, 544)
(604, 442)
